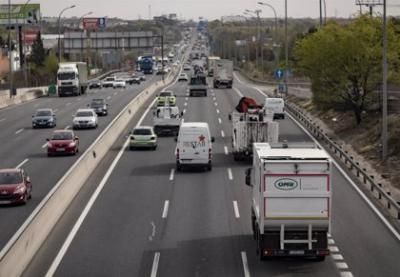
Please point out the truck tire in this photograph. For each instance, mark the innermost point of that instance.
(320, 258)
(178, 167)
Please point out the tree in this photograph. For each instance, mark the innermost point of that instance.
(38, 51)
(344, 63)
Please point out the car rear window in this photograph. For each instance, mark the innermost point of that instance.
(62, 136)
(165, 94)
(10, 178)
(84, 114)
(43, 113)
(142, 132)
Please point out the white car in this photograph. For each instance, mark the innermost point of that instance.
(119, 83)
(183, 77)
(84, 119)
(143, 137)
(108, 82)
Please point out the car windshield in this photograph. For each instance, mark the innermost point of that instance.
(142, 132)
(109, 79)
(84, 114)
(43, 113)
(10, 178)
(62, 136)
(66, 76)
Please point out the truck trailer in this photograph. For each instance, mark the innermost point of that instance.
(291, 200)
(248, 128)
(223, 74)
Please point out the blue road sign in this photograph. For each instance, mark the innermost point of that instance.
(101, 22)
(279, 74)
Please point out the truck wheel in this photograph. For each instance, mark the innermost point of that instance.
(178, 167)
(320, 258)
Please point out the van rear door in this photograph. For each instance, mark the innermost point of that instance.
(194, 147)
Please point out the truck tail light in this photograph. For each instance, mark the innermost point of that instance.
(177, 153)
(209, 153)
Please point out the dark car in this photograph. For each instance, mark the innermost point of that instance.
(100, 106)
(63, 142)
(44, 118)
(15, 186)
(95, 84)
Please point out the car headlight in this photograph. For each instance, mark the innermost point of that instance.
(20, 189)
(75, 121)
(51, 119)
(71, 144)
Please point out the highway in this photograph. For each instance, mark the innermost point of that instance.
(23, 146)
(145, 219)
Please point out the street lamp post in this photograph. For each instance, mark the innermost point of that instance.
(259, 39)
(286, 50)
(59, 30)
(22, 52)
(384, 87)
(276, 30)
(10, 50)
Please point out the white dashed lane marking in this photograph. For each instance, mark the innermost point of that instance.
(226, 150)
(230, 175)
(222, 134)
(236, 209)
(165, 210)
(19, 131)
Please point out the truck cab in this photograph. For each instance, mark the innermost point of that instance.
(72, 78)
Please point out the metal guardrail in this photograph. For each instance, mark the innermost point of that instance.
(361, 173)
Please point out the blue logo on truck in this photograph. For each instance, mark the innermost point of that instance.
(286, 184)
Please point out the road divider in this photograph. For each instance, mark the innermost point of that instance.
(25, 243)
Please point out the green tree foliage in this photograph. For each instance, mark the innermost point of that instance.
(38, 51)
(344, 62)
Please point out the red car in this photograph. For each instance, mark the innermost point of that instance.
(15, 186)
(63, 142)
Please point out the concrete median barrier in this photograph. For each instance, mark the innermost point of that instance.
(20, 250)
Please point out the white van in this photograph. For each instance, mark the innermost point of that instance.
(275, 106)
(194, 146)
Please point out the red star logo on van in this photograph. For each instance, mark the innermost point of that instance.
(202, 138)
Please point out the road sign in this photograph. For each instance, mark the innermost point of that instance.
(21, 14)
(279, 74)
(94, 23)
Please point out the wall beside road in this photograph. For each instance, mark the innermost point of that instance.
(22, 95)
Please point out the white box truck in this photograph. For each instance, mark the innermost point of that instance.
(72, 78)
(291, 200)
(211, 62)
(223, 74)
(248, 128)
(167, 120)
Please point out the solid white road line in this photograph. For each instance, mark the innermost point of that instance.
(89, 205)
(230, 175)
(22, 163)
(236, 209)
(226, 150)
(346, 274)
(245, 264)
(154, 268)
(344, 174)
(19, 131)
(165, 210)
(238, 92)
(342, 265)
(171, 176)
(222, 134)
(337, 257)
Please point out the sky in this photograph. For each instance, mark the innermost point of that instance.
(193, 9)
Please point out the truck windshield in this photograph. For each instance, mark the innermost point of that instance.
(66, 76)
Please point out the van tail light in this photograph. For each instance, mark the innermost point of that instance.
(177, 153)
(209, 153)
